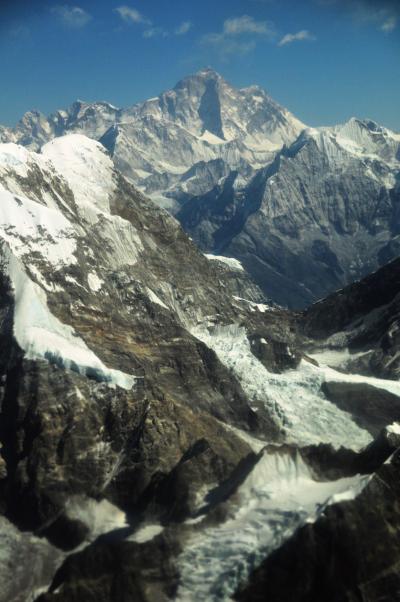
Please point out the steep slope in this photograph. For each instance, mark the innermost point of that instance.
(104, 389)
(350, 553)
(282, 493)
(102, 385)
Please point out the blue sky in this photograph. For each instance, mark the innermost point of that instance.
(326, 60)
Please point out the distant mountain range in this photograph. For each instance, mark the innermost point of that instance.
(306, 210)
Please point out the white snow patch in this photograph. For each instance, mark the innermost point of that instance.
(261, 307)
(331, 357)
(146, 533)
(72, 280)
(94, 282)
(155, 299)
(351, 493)
(229, 261)
(142, 174)
(100, 517)
(15, 156)
(211, 138)
(394, 428)
(163, 201)
(331, 375)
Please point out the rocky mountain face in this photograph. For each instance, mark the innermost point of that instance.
(322, 214)
(306, 211)
(359, 326)
(153, 401)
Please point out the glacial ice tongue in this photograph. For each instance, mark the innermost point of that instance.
(278, 496)
(294, 397)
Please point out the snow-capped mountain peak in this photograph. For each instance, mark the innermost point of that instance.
(201, 104)
(224, 159)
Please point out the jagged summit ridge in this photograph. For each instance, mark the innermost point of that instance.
(192, 103)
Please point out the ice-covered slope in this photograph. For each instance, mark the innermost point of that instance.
(367, 138)
(40, 238)
(293, 398)
(334, 557)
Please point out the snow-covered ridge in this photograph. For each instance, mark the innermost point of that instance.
(50, 220)
(361, 138)
(87, 168)
(41, 236)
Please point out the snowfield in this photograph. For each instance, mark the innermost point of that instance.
(87, 168)
(234, 264)
(29, 227)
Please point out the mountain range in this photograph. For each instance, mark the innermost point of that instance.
(168, 430)
(152, 403)
(306, 210)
